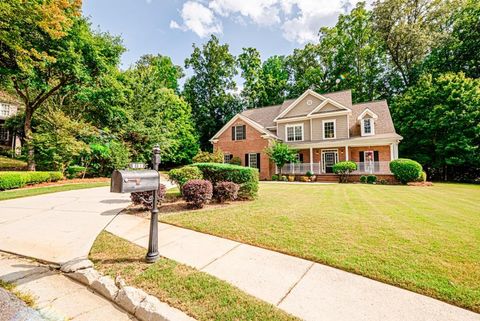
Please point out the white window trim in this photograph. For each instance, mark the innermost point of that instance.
(250, 154)
(294, 125)
(235, 129)
(372, 127)
(334, 121)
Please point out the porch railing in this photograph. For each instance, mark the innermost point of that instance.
(362, 168)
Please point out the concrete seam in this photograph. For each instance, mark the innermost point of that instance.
(295, 284)
(221, 256)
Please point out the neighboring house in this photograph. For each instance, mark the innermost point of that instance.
(9, 106)
(324, 129)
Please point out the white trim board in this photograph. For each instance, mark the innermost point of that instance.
(252, 123)
(298, 100)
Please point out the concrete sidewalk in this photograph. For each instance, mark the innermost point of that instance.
(57, 297)
(57, 227)
(303, 288)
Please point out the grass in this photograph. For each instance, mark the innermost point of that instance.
(25, 297)
(17, 193)
(9, 163)
(198, 294)
(425, 239)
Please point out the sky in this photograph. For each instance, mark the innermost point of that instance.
(170, 27)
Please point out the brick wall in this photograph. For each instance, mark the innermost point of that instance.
(254, 143)
(383, 152)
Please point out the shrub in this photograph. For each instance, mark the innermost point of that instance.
(405, 170)
(9, 180)
(305, 179)
(309, 174)
(383, 182)
(283, 178)
(422, 177)
(75, 171)
(291, 178)
(197, 192)
(207, 157)
(363, 179)
(236, 161)
(246, 177)
(275, 177)
(182, 175)
(343, 169)
(371, 179)
(225, 191)
(146, 198)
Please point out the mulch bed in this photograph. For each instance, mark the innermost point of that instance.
(420, 184)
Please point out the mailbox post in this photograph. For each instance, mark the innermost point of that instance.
(152, 254)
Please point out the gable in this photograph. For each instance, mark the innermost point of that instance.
(304, 106)
(329, 107)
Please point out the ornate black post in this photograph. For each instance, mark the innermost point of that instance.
(152, 254)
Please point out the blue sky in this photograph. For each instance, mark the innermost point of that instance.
(274, 27)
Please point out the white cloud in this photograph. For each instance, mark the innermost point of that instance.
(299, 20)
(198, 18)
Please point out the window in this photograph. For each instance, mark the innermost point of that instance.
(239, 132)
(227, 158)
(253, 160)
(328, 129)
(368, 127)
(4, 110)
(3, 134)
(294, 133)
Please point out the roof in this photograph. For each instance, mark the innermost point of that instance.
(265, 116)
(9, 99)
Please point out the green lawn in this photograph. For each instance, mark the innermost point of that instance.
(198, 294)
(10, 163)
(24, 192)
(426, 239)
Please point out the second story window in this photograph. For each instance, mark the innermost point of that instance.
(4, 110)
(294, 133)
(239, 132)
(368, 127)
(328, 129)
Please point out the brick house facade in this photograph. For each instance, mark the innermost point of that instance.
(324, 129)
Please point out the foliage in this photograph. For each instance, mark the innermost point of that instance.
(405, 170)
(422, 177)
(363, 179)
(246, 177)
(309, 174)
(236, 161)
(75, 171)
(106, 155)
(371, 179)
(10, 180)
(225, 191)
(197, 192)
(207, 157)
(180, 176)
(343, 169)
(438, 118)
(208, 89)
(11, 164)
(281, 154)
(275, 177)
(146, 198)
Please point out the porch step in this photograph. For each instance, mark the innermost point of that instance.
(327, 178)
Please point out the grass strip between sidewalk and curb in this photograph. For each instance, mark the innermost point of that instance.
(33, 191)
(25, 297)
(198, 294)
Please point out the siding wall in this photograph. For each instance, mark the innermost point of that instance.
(341, 127)
(302, 108)
(306, 129)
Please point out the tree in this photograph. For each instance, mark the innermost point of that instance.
(209, 89)
(275, 78)
(46, 47)
(410, 29)
(460, 51)
(281, 154)
(439, 119)
(250, 64)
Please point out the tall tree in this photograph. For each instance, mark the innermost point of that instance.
(439, 119)
(47, 46)
(250, 65)
(209, 89)
(275, 78)
(410, 29)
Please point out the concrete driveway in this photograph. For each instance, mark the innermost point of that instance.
(57, 227)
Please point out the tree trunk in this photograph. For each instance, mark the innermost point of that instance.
(29, 137)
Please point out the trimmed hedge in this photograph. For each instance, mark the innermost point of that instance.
(343, 169)
(406, 170)
(246, 177)
(10, 180)
(180, 176)
(75, 171)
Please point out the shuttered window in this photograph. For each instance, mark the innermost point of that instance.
(239, 132)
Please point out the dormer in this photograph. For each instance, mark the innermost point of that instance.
(367, 121)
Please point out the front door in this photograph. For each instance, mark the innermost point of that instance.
(330, 158)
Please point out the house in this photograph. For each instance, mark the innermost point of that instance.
(324, 129)
(9, 106)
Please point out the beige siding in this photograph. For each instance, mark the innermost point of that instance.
(302, 108)
(330, 107)
(306, 129)
(341, 129)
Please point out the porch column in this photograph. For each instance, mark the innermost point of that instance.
(346, 153)
(392, 152)
(311, 159)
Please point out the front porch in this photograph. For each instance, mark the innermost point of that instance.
(363, 168)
